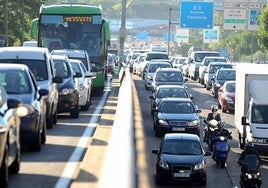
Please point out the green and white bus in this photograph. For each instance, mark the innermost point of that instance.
(75, 26)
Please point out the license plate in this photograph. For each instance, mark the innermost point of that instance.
(181, 175)
(178, 129)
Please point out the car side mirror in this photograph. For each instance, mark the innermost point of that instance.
(155, 151)
(244, 121)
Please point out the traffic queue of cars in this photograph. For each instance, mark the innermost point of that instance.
(180, 155)
(35, 86)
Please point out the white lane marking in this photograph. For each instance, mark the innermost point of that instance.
(72, 164)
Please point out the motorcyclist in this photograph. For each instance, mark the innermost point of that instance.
(249, 150)
(212, 115)
(221, 131)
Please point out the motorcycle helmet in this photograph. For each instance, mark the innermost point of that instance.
(249, 145)
(214, 107)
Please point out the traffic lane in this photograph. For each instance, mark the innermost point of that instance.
(206, 100)
(214, 173)
(44, 168)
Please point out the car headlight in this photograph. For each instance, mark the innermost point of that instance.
(163, 122)
(249, 176)
(81, 87)
(22, 111)
(30, 108)
(193, 123)
(199, 166)
(66, 91)
(163, 165)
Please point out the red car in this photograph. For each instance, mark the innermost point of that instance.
(226, 97)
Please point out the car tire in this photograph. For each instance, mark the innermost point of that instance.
(4, 169)
(15, 166)
(55, 117)
(75, 113)
(36, 145)
(86, 107)
(50, 122)
(158, 180)
(44, 133)
(203, 182)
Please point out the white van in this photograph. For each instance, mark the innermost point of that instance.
(39, 61)
(30, 43)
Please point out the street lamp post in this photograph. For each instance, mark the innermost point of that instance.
(169, 23)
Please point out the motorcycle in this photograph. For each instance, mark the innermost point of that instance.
(211, 128)
(250, 172)
(221, 150)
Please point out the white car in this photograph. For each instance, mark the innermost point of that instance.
(83, 84)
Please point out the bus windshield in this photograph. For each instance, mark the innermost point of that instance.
(81, 32)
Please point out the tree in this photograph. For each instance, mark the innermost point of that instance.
(262, 34)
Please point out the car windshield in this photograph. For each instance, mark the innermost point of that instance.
(38, 67)
(15, 82)
(207, 61)
(230, 87)
(172, 92)
(154, 67)
(169, 76)
(177, 107)
(62, 69)
(226, 75)
(76, 67)
(200, 56)
(259, 114)
(181, 147)
(214, 68)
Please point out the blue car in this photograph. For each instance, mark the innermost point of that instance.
(19, 83)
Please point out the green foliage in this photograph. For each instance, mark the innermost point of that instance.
(262, 35)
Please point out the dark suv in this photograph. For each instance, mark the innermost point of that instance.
(68, 95)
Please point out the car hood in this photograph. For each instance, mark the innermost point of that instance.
(25, 98)
(177, 116)
(67, 83)
(182, 159)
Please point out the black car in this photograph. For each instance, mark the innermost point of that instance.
(180, 157)
(176, 115)
(221, 76)
(164, 91)
(10, 149)
(68, 94)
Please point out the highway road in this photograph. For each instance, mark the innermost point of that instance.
(216, 177)
(57, 164)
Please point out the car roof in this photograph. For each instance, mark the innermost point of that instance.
(169, 69)
(70, 52)
(219, 63)
(22, 52)
(9, 66)
(181, 136)
(176, 99)
(62, 57)
(227, 69)
(170, 86)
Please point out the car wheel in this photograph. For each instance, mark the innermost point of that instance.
(202, 82)
(50, 122)
(55, 116)
(15, 166)
(203, 182)
(223, 110)
(44, 133)
(4, 169)
(86, 107)
(158, 180)
(36, 145)
(75, 113)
